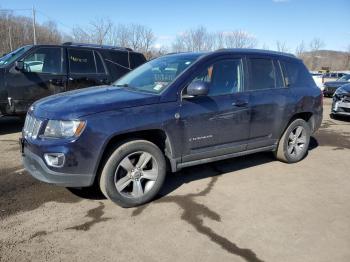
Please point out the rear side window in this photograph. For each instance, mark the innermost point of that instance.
(119, 59)
(81, 61)
(296, 74)
(136, 60)
(262, 74)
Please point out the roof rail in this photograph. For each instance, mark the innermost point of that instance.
(253, 50)
(97, 46)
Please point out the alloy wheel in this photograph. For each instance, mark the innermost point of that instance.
(296, 141)
(136, 174)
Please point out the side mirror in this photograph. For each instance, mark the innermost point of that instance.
(19, 65)
(198, 88)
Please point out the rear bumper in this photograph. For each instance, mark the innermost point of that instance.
(38, 169)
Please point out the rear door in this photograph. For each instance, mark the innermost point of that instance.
(269, 100)
(44, 74)
(85, 68)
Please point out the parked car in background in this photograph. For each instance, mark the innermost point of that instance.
(332, 86)
(318, 78)
(341, 101)
(36, 71)
(332, 76)
(173, 112)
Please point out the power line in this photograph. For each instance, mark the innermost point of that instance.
(39, 12)
(53, 19)
(14, 10)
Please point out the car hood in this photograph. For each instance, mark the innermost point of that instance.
(346, 88)
(335, 84)
(82, 102)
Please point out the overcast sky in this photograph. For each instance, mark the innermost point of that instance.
(289, 21)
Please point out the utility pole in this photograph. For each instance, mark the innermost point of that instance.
(10, 38)
(34, 31)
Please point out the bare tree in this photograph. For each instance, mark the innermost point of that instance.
(300, 49)
(239, 39)
(135, 36)
(199, 39)
(265, 47)
(281, 46)
(16, 31)
(100, 29)
(316, 44)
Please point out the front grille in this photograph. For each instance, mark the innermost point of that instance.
(31, 127)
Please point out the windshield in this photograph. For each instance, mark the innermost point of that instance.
(344, 78)
(156, 75)
(13, 56)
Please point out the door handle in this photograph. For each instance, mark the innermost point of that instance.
(56, 82)
(240, 103)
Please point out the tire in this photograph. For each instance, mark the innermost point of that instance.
(293, 147)
(133, 174)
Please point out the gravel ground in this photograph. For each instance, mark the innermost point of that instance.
(250, 208)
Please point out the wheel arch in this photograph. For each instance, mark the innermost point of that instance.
(157, 136)
(306, 115)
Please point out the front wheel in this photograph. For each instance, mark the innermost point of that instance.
(134, 173)
(294, 142)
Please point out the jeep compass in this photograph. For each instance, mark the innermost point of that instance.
(173, 112)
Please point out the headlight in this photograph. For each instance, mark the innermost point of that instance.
(339, 91)
(64, 129)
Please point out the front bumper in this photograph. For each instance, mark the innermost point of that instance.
(341, 107)
(38, 169)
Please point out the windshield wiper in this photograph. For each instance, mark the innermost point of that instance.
(122, 85)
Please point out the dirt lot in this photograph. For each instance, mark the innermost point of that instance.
(250, 208)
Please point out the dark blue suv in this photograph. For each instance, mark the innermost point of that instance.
(176, 111)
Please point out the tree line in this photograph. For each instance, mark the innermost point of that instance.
(16, 30)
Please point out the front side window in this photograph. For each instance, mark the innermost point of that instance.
(44, 60)
(224, 77)
(81, 61)
(262, 74)
(156, 75)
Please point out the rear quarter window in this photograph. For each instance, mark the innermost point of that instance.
(296, 74)
(119, 59)
(136, 60)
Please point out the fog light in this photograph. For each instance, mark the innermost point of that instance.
(55, 159)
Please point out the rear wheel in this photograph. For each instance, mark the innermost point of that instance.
(133, 174)
(294, 142)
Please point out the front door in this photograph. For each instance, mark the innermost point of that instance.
(85, 69)
(218, 123)
(43, 75)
